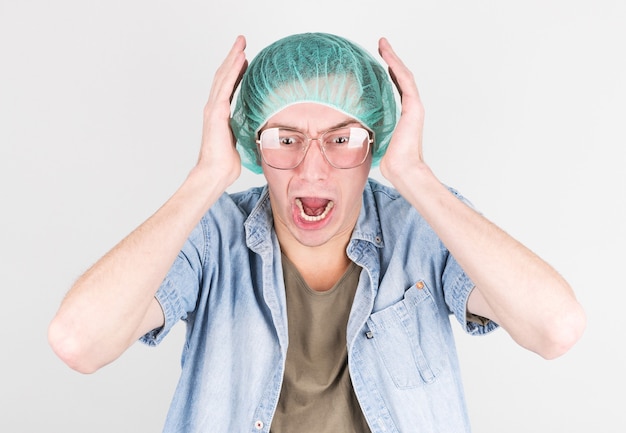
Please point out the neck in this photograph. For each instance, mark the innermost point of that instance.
(321, 266)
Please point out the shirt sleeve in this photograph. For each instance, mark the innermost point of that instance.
(457, 287)
(178, 292)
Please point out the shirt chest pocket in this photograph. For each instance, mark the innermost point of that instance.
(407, 337)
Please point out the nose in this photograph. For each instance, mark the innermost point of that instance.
(314, 166)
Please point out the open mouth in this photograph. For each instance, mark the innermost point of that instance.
(314, 209)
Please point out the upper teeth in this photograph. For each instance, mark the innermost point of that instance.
(311, 218)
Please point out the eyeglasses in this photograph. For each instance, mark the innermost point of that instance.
(285, 149)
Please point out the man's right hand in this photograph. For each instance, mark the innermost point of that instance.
(218, 155)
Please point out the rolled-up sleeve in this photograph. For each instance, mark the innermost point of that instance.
(178, 292)
(457, 288)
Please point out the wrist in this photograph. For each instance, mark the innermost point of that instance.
(418, 184)
(203, 187)
(408, 175)
(215, 175)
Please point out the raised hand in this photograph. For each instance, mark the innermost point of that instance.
(405, 149)
(218, 154)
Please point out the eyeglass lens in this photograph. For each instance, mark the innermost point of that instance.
(286, 148)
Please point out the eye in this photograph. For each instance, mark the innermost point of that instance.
(290, 139)
(338, 138)
(287, 141)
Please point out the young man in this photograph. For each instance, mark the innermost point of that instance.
(321, 301)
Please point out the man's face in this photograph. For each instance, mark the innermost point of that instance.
(314, 203)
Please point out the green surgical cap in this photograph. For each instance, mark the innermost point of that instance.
(313, 67)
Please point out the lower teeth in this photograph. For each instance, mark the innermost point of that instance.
(316, 218)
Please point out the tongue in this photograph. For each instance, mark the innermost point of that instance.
(314, 206)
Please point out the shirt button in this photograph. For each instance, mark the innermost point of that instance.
(419, 285)
(258, 425)
(378, 239)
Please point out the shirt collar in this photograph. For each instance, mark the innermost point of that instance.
(259, 224)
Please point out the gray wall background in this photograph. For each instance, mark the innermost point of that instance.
(100, 118)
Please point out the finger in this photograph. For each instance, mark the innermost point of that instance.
(239, 77)
(235, 54)
(230, 71)
(230, 68)
(400, 74)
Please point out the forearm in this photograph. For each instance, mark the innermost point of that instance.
(106, 309)
(517, 289)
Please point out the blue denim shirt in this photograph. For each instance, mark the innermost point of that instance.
(227, 285)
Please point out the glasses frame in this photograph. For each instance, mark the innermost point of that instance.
(320, 139)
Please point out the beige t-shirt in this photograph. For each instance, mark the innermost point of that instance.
(317, 393)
